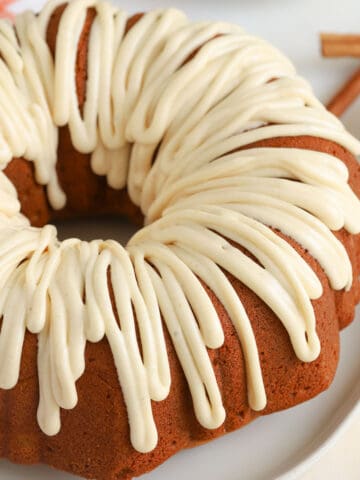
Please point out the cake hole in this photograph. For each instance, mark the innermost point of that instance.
(207, 396)
(111, 227)
(124, 473)
(241, 415)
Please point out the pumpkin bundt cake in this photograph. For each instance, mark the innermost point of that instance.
(228, 303)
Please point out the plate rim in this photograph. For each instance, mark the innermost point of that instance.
(326, 439)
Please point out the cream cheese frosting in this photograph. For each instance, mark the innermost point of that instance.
(168, 125)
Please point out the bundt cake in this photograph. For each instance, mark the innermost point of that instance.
(227, 303)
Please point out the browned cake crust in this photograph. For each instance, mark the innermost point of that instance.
(94, 440)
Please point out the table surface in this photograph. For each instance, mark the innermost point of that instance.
(293, 26)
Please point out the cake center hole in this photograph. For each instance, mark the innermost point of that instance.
(111, 227)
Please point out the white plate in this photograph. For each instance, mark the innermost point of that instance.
(282, 445)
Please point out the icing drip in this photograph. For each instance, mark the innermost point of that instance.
(147, 93)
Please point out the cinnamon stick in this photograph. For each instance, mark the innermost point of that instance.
(338, 45)
(348, 93)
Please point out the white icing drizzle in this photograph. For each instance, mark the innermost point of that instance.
(168, 126)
